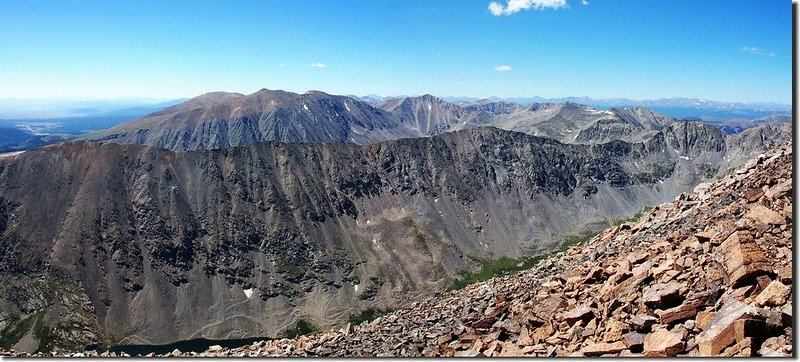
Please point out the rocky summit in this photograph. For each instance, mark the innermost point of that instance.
(709, 274)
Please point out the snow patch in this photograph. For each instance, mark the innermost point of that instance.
(355, 288)
(683, 157)
(346, 107)
(429, 107)
(436, 200)
(248, 292)
(305, 106)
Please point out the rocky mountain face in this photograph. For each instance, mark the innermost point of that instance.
(426, 115)
(222, 120)
(315, 231)
(709, 274)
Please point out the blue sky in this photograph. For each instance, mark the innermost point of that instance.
(640, 49)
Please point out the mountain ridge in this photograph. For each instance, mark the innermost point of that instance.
(650, 287)
(219, 120)
(305, 230)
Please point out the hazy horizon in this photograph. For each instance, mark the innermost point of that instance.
(146, 100)
(550, 48)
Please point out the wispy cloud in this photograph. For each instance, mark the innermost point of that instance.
(513, 6)
(503, 68)
(584, 2)
(282, 65)
(757, 51)
(317, 65)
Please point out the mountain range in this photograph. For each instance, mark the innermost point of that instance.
(676, 107)
(220, 120)
(192, 221)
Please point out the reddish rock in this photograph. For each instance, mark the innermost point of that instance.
(468, 353)
(721, 331)
(663, 343)
(636, 258)
(744, 259)
(774, 294)
(749, 327)
(642, 323)
(614, 330)
(743, 348)
(764, 215)
(660, 294)
(445, 338)
(703, 319)
(680, 313)
(785, 274)
(580, 313)
(599, 349)
(704, 236)
(634, 341)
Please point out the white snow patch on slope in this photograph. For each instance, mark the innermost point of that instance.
(248, 292)
(346, 106)
(305, 106)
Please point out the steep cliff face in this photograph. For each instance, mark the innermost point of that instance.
(123, 244)
(707, 275)
(427, 115)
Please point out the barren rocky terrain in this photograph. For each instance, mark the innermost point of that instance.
(306, 231)
(709, 274)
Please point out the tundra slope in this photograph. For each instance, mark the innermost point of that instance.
(212, 239)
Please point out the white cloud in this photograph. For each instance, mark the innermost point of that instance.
(282, 65)
(757, 51)
(318, 65)
(584, 2)
(513, 6)
(502, 68)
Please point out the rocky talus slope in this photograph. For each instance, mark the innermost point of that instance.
(709, 274)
